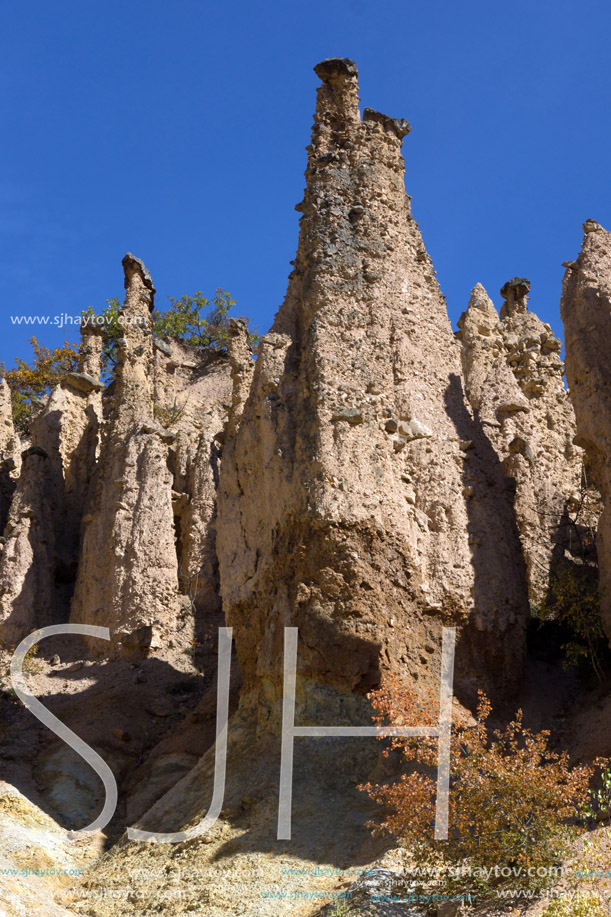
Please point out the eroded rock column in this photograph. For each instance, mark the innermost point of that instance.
(10, 453)
(585, 308)
(40, 554)
(514, 379)
(128, 572)
(346, 510)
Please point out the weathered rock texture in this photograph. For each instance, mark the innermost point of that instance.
(10, 453)
(40, 554)
(128, 571)
(586, 312)
(192, 395)
(361, 497)
(69, 431)
(28, 597)
(514, 380)
(137, 518)
(364, 504)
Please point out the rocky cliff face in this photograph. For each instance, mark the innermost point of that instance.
(585, 308)
(514, 380)
(192, 394)
(364, 504)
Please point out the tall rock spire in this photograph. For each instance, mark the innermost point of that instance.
(480, 346)
(128, 571)
(585, 308)
(133, 401)
(362, 503)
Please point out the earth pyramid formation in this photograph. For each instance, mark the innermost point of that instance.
(41, 537)
(10, 454)
(585, 308)
(128, 574)
(362, 502)
(370, 479)
(515, 383)
(109, 504)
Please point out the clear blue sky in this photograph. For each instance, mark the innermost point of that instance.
(176, 130)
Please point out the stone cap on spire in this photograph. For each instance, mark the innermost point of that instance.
(514, 292)
(337, 101)
(335, 66)
(516, 288)
(591, 226)
(132, 265)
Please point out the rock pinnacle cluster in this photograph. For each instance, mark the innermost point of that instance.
(369, 477)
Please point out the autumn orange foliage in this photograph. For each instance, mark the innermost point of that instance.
(31, 382)
(514, 802)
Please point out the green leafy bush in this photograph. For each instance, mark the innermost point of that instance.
(197, 320)
(194, 320)
(574, 601)
(598, 806)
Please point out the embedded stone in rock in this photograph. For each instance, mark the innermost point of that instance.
(519, 446)
(585, 308)
(162, 346)
(166, 435)
(143, 637)
(501, 394)
(351, 415)
(34, 450)
(413, 429)
(83, 382)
